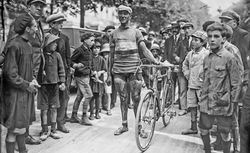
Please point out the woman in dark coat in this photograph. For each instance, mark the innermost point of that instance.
(19, 85)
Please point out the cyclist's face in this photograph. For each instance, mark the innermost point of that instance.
(124, 16)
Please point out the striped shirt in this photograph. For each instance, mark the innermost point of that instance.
(126, 55)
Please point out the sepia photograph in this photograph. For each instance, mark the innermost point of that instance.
(124, 76)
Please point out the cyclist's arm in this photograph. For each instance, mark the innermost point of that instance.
(147, 53)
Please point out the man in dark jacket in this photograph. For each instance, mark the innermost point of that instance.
(56, 22)
(81, 62)
(172, 44)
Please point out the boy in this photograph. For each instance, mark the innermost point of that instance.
(219, 91)
(99, 68)
(52, 80)
(108, 89)
(192, 69)
(19, 84)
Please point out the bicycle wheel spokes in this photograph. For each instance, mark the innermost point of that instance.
(167, 104)
(145, 122)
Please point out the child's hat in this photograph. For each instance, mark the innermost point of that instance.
(49, 38)
(200, 34)
(155, 46)
(105, 48)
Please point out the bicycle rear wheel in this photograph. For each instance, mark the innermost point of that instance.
(145, 121)
(167, 100)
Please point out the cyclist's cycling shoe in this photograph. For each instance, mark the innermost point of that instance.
(121, 130)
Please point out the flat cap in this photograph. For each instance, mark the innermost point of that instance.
(49, 38)
(155, 47)
(231, 15)
(22, 22)
(182, 20)
(87, 35)
(175, 25)
(200, 34)
(109, 27)
(125, 8)
(29, 2)
(55, 18)
(188, 24)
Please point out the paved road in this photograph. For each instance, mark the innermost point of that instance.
(100, 139)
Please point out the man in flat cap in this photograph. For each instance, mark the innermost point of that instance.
(183, 48)
(240, 39)
(55, 22)
(125, 42)
(19, 84)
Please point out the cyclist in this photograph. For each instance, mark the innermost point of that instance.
(124, 45)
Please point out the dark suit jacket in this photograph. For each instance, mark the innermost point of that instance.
(240, 39)
(170, 48)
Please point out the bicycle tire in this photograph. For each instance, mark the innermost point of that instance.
(147, 100)
(166, 103)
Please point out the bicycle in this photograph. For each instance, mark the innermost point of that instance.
(154, 105)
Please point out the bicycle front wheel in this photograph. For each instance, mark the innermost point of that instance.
(167, 101)
(145, 121)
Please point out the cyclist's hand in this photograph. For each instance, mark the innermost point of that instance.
(166, 63)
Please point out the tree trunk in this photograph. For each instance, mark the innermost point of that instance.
(82, 3)
(2, 20)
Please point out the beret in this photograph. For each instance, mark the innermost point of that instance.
(29, 2)
(200, 34)
(22, 22)
(55, 18)
(155, 46)
(109, 27)
(231, 15)
(125, 8)
(49, 38)
(87, 35)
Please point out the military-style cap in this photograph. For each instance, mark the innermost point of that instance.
(29, 2)
(49, 38)
(155, 47)
(109, 27)
(200, 34)
(125, 8)
(231, 15)
(55, 18)
(189, 24)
